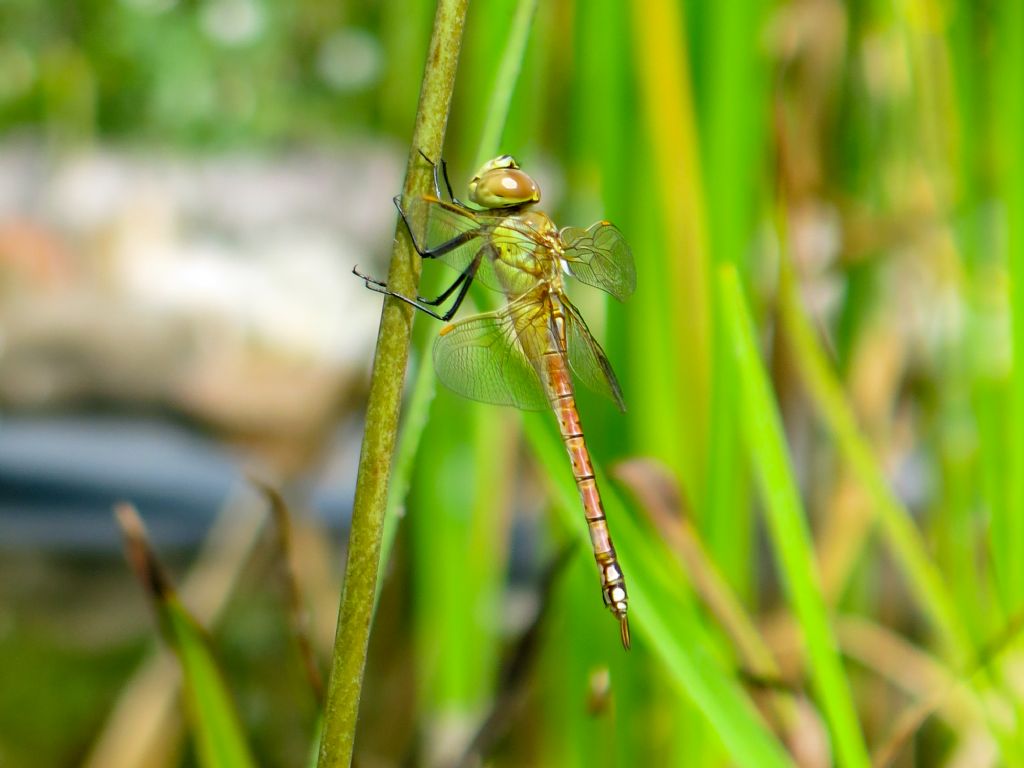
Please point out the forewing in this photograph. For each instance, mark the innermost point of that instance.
(586, 358)
(482, 358)
(600, 256)
(436, 224)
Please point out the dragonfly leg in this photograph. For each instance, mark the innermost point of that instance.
(448, 184)
(437, 180)
(367, 279)
(447, 291)
(423, 304)
(373, 283)
(437, 250)
(382, 287)
(467, 279)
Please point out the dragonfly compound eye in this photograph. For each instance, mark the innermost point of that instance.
(503, 188)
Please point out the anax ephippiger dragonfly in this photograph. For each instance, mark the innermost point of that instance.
(522, 354)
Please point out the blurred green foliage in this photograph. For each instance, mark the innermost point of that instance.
(855, 172)
(208, 74)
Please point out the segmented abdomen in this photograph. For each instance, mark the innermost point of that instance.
(563, 402)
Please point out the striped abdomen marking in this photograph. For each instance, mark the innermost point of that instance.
(560, 392)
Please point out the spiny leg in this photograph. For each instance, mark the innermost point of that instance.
(467, 280)
(437, 182)
(438, 250)
(460, 280)
(464, 280)
(373, 284)
(379, 287)
(447, 183)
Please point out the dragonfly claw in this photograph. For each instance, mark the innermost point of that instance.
(370, 281)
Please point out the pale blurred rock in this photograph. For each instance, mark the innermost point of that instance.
(218, 286)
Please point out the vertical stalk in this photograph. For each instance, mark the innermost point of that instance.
(733, 155)
(678, 408)
(788, 527)
(1008, 523)
(387, 378)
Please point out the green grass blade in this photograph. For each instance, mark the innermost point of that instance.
(665, 619)
(788, 527)
(220, 742)
(903, 538)
(734, 143)
(676, 263)
(1008, 522)
(213, 719)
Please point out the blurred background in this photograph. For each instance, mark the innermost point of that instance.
(185, 188)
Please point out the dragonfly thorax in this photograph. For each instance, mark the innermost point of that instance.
(526, 251)
(500, 184)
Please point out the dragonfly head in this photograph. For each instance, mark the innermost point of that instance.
(500, 184)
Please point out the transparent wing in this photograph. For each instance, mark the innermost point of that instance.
(482, 358)
(436, 224)
(587, 359)
(600, 256)
(459, 234)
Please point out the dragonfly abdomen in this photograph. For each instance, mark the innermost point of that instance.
(563, 402)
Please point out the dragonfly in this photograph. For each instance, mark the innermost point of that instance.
(526, 353)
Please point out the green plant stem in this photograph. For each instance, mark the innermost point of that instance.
(386, 383)
(209, 707)
(1008, 523)
(787, 525)
(680, 393)
(663, 614)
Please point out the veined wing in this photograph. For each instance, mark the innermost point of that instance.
(482, 358)
(436, 224)
(599, 256)
(460, 234)
(586, 358)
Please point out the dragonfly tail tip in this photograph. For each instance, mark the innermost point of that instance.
(624, 631)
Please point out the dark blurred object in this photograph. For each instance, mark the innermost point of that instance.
(59, 478)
